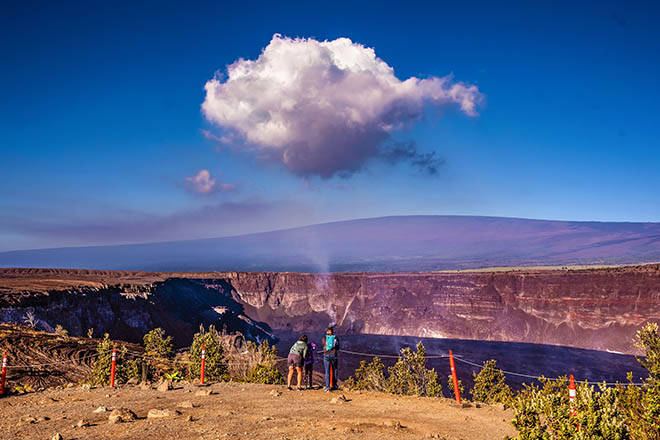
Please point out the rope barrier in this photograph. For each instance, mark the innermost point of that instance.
(480, 366)
(67, 361)
(528, 376)
(390, 356)
(278, 359)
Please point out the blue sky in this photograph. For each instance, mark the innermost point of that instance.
(101, 124)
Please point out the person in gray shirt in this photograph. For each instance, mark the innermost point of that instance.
(296, 359)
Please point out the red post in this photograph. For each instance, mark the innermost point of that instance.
(571, 394)
(114, 362)
(331, 377)
(457, 393)
(4, 374)
(203, 362)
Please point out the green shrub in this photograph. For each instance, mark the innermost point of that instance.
(215, 367)
(174, 377)
(156, 344)
(619, 413)
(450, 387)
(643, 403)
(125, 368)
(490, 385)
(370, 377)
(542, 413)
(261, 359)
(409, 376)
(265, 373)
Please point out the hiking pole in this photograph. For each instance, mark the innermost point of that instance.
(112, 369)
(4, 374)
(457, 393)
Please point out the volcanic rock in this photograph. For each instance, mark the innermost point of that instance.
(166, 385)
(119, 415)
(161, 413)
(186, 404)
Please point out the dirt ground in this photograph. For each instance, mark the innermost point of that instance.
(245, 411)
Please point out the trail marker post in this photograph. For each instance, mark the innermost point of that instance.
(112, 368)
(4, 374)
(203, 363)
(331, 376)
(571, 394)
(457, 393)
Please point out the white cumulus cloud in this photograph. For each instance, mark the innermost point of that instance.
(323, 107)
(203, 183)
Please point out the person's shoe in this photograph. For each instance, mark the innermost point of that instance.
(289, 388)
(326, 389)
(300, 388)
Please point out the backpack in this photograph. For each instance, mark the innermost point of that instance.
(329, 342)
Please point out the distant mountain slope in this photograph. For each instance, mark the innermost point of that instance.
(387, 244)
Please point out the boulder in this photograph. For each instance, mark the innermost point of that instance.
(82, 423)
(161, 413)
(119, 415)
(339, 399)
(204, 393)
(186, 404)
(165, 385)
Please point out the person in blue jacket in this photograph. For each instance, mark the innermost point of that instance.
(330, 345)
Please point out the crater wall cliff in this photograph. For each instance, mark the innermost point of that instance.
(590, 308)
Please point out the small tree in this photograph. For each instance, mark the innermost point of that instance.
(410, 376)
(216, 367)
(370, 377)
(490, 385)
(158, 349)
(90, 332)
(125, 368)
(450, 387)
(157, 344)
(265, 371)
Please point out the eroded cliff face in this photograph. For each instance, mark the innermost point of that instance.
(128, 311)
(595, 308)
(599, 308)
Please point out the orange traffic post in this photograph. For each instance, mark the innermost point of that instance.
(114, 363)
(571, 394)
(331, 377)
(203, 362)
(4, 374)
(457, 393)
